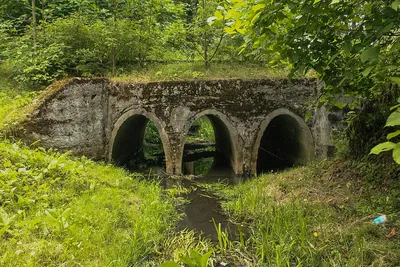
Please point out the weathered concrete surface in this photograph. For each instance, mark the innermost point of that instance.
(93, 117)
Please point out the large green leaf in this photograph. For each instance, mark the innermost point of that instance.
(386, 146)
(393, 135)
(370, 54)
(396, 153)
(396, 4)
(394, 119)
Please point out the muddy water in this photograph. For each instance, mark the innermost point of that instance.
(204, 206)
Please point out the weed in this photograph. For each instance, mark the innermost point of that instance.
(223, 238)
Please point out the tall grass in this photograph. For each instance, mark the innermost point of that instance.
(307, 217)
(60, 211)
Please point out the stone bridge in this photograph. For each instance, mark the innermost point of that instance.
(253, 120)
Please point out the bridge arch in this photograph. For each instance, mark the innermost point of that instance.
(226, 138)
(128, 135)
(284, 140)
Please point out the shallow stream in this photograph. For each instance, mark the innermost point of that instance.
(203, 210)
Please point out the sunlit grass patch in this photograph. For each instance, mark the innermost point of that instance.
(58, 210)
(198, 71)
(12, 99)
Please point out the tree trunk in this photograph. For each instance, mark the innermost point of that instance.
(34, 21)
(205, 45)
(44, 20)
(113, 52)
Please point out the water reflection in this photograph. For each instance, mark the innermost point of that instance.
(198, 167)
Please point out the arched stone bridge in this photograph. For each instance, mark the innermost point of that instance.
(105, 120)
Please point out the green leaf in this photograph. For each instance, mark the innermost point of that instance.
(339, 104)
(348, 46)
(367, 71)
(218, 15)
(357, 48)
(393, 135)
(395, 106)
(394, 119)
(396, 153)
(308, 116)
(188, 260)
(382, 147)
(230, 30)
(370, 54)
(388, 27)
(335, 2)
(169, 264)
(4, 229)
(396, 4)
(395, 79)
(257, 7)
(205, 257)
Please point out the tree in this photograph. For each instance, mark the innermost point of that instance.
(352, 45)
(204, 34)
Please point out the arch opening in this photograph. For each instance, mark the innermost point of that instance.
(137, 145)
(285, 143)
(208, 148)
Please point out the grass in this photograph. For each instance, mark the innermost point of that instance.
(198, 71)
(12, 98)
(57, 210)
(317, 215)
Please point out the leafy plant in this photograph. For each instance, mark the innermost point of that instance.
(194, 259)
(34, 64)
(392, 121)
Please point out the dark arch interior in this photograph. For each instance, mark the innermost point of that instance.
(202, 160)
(281, 146)
(137, 144)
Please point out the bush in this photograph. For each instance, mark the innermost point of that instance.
(36, 64)
(366, 127)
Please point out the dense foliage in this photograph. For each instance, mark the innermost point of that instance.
(352, 45)
(53, 39)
